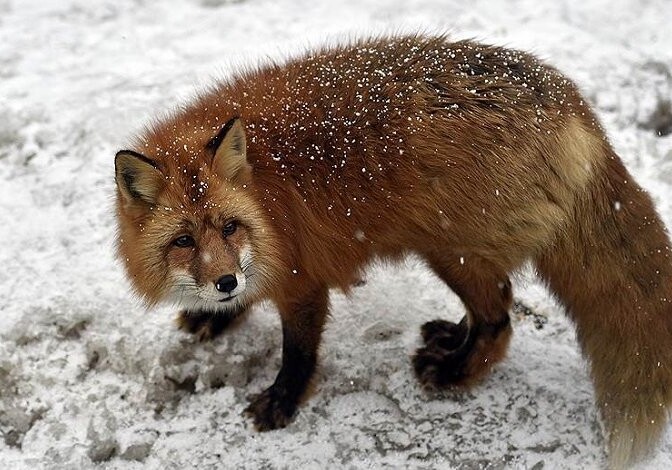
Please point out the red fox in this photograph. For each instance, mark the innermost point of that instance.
(288, 180)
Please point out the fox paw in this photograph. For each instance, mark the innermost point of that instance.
(205, 326)
(441, 362)
(446, 334)
(437, 368)
(454, 355)
(271, 409)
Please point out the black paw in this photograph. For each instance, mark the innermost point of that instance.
(446, 334)
(438, 368)
(271, 409)
(205, 326)
(442, 361)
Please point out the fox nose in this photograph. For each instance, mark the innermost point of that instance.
(226, 283)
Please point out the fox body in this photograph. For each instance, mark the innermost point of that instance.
(288, 180)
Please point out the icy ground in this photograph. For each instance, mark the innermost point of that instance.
(89, 377)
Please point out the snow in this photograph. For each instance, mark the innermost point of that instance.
(89, 377)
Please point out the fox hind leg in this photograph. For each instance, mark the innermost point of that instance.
(463, 353)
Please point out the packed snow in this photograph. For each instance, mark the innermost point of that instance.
(89, 377)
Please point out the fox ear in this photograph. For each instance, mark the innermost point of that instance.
(138, 177)
(229, 148)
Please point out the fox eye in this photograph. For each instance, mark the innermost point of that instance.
(230, 228)
(184, 241)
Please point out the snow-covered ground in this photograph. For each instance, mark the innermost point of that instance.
(89, 377)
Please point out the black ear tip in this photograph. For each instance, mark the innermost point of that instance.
(133, 153)
(227, 127)
(117, 156)
(214, 143)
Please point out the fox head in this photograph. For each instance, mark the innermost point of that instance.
(190, 229)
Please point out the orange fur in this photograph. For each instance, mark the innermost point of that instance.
(477, 158)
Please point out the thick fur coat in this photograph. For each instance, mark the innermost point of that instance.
(288, 180)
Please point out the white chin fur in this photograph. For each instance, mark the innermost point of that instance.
(196, 303)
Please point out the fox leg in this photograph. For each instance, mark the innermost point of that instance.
(463, 353)
(302, 322)
(206, 325)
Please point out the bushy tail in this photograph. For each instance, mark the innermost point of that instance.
(611, 267)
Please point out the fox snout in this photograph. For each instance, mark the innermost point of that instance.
(225, 287)
(223, 277)
(226, 284)
(219, 294)
(231, 285)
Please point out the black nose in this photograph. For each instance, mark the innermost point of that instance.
(226, 283)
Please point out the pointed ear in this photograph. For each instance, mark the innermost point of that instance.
(229, 148)
(137, 177)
